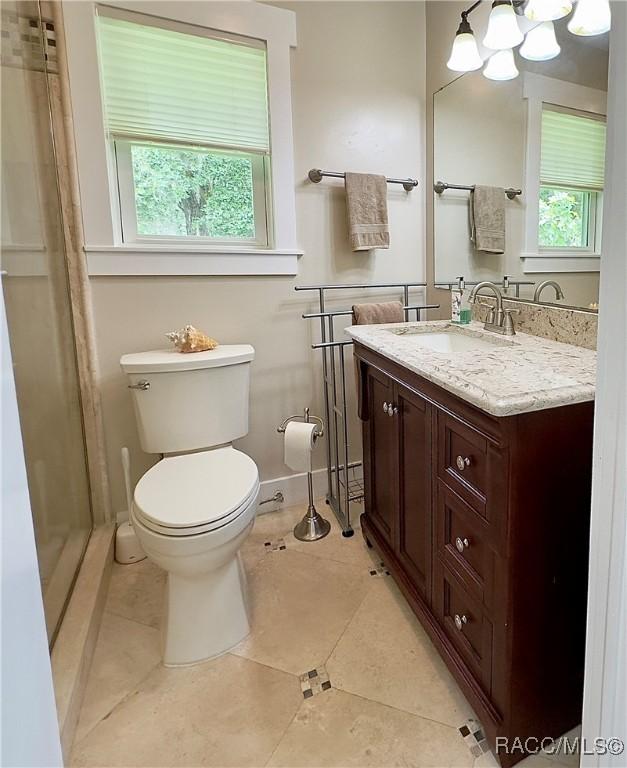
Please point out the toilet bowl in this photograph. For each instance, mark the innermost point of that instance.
(192, 513)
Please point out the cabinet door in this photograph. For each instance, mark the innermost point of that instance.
(413, 542)
(380, 454)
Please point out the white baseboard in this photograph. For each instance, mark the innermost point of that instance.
(293, 488)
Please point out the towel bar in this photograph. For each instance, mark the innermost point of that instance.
(315, 175)
(440, 186)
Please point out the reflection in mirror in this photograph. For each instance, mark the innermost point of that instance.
(542, 133)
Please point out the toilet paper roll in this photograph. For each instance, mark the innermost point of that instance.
(299, 443)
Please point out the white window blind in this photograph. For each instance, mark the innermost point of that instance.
(573, 150)
(163, 84)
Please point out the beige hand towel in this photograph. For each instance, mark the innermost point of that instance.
(372, 314)
(487, 219)
(366, 201)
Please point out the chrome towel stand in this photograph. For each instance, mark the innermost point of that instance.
(344, 482)
(315, 175)
(313, 526)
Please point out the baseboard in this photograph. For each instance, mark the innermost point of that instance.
(74, 646)
(293, 488)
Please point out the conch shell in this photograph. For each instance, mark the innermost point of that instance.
(190, 339)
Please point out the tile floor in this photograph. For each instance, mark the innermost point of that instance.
(336, 672)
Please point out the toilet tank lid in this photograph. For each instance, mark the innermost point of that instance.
(161, 360)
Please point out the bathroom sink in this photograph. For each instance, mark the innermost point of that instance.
(450, 340)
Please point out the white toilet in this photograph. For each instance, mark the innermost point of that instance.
(193, 510)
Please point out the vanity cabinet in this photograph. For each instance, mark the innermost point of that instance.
(484, 524)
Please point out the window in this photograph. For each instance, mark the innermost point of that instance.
(572, 172)
(187, 119)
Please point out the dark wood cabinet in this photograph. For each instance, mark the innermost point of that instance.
(484, 524)
(397, 473)
(413, 543)
(382, 462)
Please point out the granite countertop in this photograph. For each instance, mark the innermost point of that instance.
(515, 374)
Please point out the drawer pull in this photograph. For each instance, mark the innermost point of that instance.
(461, 544)
(460, 621)
(462, 462)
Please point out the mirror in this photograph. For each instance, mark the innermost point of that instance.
(542, 133)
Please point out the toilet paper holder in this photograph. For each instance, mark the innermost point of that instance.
(313, 526)
(319, 432)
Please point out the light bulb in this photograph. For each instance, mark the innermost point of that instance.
(591, 17)
(503, 30)
(540, 43)
(465, 54)
(501, 66)
(548, 10)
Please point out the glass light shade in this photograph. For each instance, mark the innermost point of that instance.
(465, 54)
(591, 17)
(501, 66)
(503, 30)
(548, 10)
(540, 43)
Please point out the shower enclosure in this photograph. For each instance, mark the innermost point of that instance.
(38, 306)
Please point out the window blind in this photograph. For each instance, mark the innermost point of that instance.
(163, 84)
(573, 150)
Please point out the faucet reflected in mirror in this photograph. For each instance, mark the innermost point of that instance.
(559, 293)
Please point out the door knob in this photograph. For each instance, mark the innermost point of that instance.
(385, 407)
(462, 462)
(392, 410)
(460, 621)
(461, 544)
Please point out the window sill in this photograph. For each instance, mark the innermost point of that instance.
(566, 261)
(130, 260)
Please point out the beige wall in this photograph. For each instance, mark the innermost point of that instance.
(359, 104)
(477, 129)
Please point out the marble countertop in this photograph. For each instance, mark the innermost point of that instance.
(521, 373)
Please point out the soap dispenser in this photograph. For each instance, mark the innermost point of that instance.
(456, 300)
(460, 309)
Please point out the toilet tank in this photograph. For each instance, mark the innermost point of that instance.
(189, 401)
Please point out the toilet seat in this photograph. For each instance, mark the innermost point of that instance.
(197, 492)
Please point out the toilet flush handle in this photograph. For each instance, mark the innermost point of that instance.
(143, 384)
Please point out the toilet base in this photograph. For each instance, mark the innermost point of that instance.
(206, 614)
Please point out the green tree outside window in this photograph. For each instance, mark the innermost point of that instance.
(192, 193)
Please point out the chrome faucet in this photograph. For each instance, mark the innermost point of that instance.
(499, 320)
(559, 293)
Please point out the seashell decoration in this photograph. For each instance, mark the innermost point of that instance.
(190, 339)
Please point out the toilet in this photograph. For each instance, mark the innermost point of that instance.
(193, 510)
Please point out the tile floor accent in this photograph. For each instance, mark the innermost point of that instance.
(274, 546)
(392, 702)
(379, 570)
(475, 739)
(315, 681)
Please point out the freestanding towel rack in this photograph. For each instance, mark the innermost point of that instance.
(441, 186)
(316, 175)
(344, 481)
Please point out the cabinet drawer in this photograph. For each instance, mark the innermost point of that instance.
(472, 464)
(465, 623)
(462, 538)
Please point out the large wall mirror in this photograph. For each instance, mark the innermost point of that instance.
(543, 134)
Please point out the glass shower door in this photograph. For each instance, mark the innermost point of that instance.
(37, 299)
